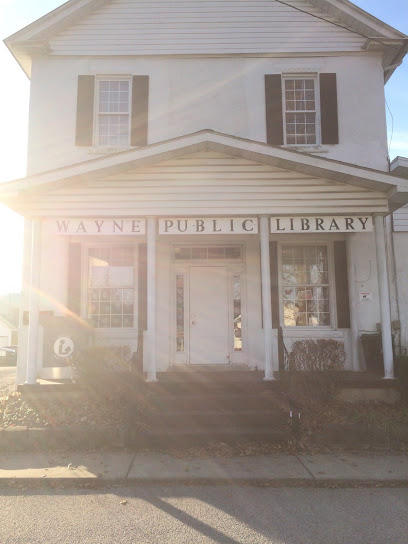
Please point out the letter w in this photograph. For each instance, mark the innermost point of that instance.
(63, 225)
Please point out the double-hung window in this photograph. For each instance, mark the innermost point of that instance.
(300, 104)
(306, 286)
(113, 112)
(111, 293)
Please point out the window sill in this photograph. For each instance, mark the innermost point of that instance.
(307, 148)
(319, 332)
(107, 150)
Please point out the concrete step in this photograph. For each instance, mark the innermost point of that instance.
(192, 387)
(251, 419)
(216, 402)
(179, 439)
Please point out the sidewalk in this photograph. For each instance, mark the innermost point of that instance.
(152, 467)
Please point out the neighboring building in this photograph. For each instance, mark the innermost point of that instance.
(201, 174)
(8, 332)
(398, 238)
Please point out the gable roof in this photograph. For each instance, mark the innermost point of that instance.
(377, 35)
(396, 188)
(7, 323)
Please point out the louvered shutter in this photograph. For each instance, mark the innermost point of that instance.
(74, 279)
(274, 113)
(342, 291)
(328, 109)
(85, 111)
(140, 110)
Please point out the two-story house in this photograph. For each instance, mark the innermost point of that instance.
(204, 175)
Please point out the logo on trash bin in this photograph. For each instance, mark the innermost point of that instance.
(63, 346)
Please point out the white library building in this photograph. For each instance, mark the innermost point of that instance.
(208, 180)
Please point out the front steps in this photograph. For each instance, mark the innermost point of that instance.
(197, 408)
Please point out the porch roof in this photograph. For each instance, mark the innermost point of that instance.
(395, 188)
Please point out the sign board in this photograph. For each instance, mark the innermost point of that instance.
(329, 223)
(207, 225)
(63, 337)
(367, 296)
(97, 227)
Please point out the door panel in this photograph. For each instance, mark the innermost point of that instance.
(209, 305)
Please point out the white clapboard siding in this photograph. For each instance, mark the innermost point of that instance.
(133, 27)
(204, 184)
(401, 219)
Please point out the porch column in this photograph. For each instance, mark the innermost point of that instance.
(33, 313)
(151, 299)
(354, 330)
(385, 308)
(266, 297)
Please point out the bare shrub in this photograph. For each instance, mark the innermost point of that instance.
(313, 365)
(317, 355)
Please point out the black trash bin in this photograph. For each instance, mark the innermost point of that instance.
(63, 336)
(372, 346)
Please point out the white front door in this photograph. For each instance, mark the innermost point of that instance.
(209, 308)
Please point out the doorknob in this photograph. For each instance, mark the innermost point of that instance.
(192, 322)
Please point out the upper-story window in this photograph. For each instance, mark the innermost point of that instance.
(300, 106)
(301, 109)
(113, 113)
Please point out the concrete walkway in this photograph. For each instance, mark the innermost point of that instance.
(159, 467)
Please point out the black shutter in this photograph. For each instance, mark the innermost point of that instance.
(85, 111)
(274, 113)
(273, 258)
(328, 109)
(140, 110)
(74, 278)
(342, 291)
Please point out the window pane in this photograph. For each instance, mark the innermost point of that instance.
(305, 293)
(111, 293)
(114, 130)
(113, 99)
(216, 253)
(180, 312)
(300, 126)
(205, 252)
(236, 291)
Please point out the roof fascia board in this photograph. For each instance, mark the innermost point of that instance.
(212, 141)
(352, 16)
(60, 18)
(55, 20)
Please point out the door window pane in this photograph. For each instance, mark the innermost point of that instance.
(236, 293)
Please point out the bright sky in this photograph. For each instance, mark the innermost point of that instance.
(14, 97)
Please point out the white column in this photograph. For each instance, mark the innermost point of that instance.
(354, 330)
(266, 297)
(385, 309)
(151, 299)
(33, 314)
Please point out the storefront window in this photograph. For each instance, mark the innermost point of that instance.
(305, 281)
(180, 311)
(111, 287)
